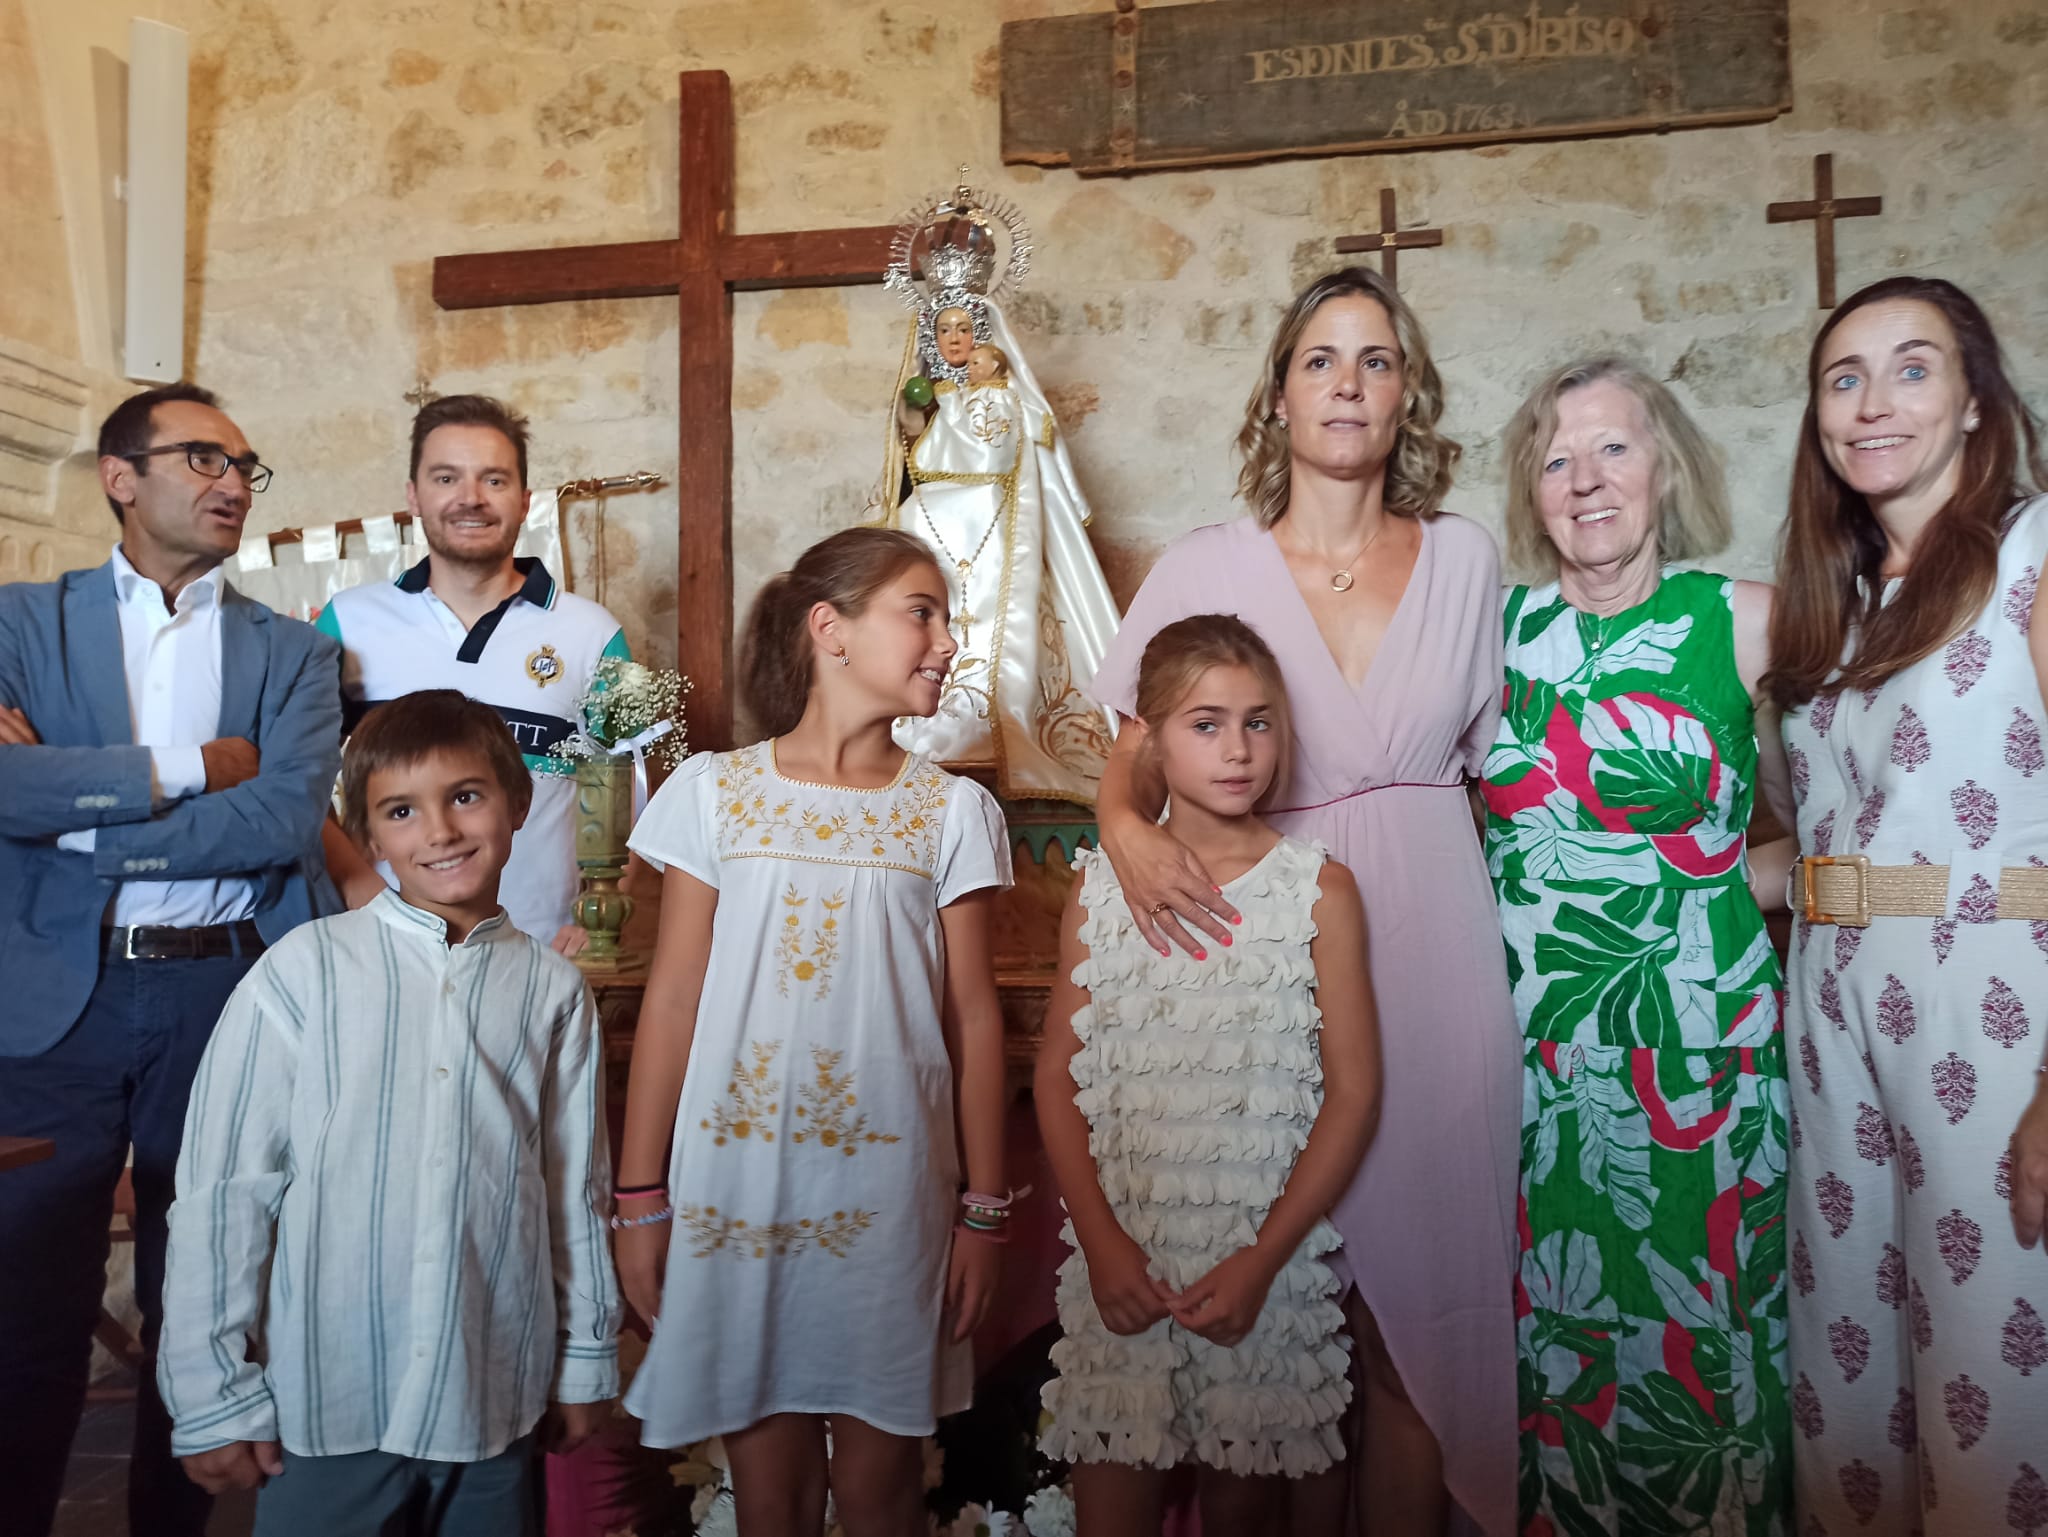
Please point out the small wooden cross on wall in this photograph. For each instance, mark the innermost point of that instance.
(1390, 239)
(1824, 208)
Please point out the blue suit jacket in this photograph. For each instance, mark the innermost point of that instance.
(61, 665)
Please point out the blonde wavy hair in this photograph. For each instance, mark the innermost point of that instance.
(1692, 493)
(1420, 468)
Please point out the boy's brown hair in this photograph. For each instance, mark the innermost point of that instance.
(415, 726)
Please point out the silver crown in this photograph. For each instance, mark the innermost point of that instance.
(951, 242)
(944, 257)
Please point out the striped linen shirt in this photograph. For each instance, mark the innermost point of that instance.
(389, 1197)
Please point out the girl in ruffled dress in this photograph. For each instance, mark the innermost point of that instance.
(1201, 1114)
(820, 1033)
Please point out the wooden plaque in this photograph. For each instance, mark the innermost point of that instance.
(1251, 79)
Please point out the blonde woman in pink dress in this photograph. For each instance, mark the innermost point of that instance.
(1385, 615)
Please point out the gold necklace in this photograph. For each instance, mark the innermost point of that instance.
(1341, 581)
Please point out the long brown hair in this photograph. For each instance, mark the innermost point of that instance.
(1418, 471)
(1181, 652)
(846, 571)
(1831, 539)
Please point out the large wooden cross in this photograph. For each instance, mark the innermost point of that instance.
(1824, 208)
(701, 267)
(1389, 240)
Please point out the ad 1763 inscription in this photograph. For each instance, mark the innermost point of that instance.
(1251, 79)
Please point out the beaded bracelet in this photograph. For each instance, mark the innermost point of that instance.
(992, 1234)
(664, 1215)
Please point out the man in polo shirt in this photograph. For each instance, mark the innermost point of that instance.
(500, 629)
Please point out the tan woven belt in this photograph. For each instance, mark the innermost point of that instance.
(1849, 889)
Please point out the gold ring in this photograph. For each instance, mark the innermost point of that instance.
(1156, 909)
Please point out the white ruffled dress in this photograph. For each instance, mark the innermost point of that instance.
(1200, 1081)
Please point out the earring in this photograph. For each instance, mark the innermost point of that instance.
(1970, 425)
(841, 654)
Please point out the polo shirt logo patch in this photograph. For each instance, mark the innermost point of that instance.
(543, 666)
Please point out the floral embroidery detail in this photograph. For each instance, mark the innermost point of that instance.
(1802, 778)
(1868, 818)
(2019, 599)
(1967, 1408)
(2001, 1176)
(2039, 929)
(1806, 1410)
(1909, 741)
(1891, 1277)
(1976, 810)
(1802, 1266)
(1944, 938)
(2024, 1340)
(1896, 1019)
(761, 814)
(1919, 1316)
(2026, 1503)
(1837, 1202)
(1960, 1242)
(1854, 771)
(2004, 1016)
(1910, 1168)
(1862, 1490)
(1903, 1430)
(803, 959)
(1874, 1141)
(751, 1102)
(716, 1232)
(1822, 712)
(1955, 1086)
(1965, 660)
(1809, 1059)
(828, 1110)
(2023, 745)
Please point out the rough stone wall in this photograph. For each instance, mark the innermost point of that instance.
(339, 147)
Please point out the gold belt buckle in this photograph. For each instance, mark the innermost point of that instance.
(1859, 916)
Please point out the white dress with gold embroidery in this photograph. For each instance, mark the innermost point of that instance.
(814, 1172)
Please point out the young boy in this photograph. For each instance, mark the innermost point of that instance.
(387, 1253)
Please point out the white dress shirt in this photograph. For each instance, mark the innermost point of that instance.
(392, 1185)
(172, 664)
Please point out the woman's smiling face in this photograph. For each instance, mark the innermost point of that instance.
(1893, 405)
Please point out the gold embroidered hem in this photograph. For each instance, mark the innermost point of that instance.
(716, 1232)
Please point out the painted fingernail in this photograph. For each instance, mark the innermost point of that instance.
(1201, 955)
(1237, 917)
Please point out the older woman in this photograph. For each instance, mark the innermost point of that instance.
(1384, 614)
(1910, 648)
(1618, 793)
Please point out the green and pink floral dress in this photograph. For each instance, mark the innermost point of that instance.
(1651, 1295)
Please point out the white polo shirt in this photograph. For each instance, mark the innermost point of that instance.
(530, 659)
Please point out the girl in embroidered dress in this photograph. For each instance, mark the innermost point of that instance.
(1201, 1114)
(820, 1016)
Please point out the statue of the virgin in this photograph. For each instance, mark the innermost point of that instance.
(978, 469)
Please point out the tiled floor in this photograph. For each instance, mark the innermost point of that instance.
(96, 1481)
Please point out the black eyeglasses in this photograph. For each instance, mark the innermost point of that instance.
(212, 461)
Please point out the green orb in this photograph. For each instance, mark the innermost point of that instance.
(917, 390)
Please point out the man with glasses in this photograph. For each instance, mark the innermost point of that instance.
(167, 747)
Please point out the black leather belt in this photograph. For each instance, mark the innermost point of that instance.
(159, 943)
